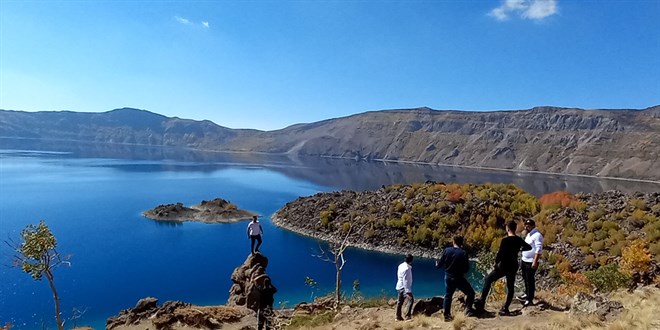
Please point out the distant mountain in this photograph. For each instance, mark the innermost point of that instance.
(618, 143)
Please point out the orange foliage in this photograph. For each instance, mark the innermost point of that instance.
(455, 193)
(574, 283)
(562, 198)
(635, 258)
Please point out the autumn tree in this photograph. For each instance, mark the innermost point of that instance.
(36, 255)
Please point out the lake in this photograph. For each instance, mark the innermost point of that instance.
(91, 197)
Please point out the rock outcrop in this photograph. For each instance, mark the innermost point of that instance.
(245, 278)
(175, 312)
(428, 306)
(215, 211)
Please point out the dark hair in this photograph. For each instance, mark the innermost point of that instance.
(512, 226)
(530, 222)
(254, 217)
(458, 240)
(409, 258)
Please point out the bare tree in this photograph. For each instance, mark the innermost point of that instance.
(335, 255)
(36, 255)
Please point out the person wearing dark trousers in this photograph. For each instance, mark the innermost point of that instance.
(404, 287)
(506, 264)
(266, 299)
(455, 262)
(530, 261)
(254, 232)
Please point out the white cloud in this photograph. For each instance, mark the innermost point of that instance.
(182, 20)
(541, 9)
(528, 9)
(186, 21)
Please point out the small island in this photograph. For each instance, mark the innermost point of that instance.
(215, 211)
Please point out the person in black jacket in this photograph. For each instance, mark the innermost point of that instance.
(456, 264)
(266, 299)
(506, 264)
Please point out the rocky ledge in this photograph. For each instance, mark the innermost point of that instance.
(175, 313)
(215, 211)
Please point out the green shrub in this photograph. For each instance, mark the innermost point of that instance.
(325, 218)
(596, 215)
(423, 236)
(607, 225)
(410, 193)
(597, 245)
(594, 225)
(615, 250)
(638, 204)
(608, 278)
(398, 206)
(332, 207)
(396, 223)
(345, 227)
(590, 260)
(369, 232)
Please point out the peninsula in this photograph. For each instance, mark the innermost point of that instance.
(215, 211)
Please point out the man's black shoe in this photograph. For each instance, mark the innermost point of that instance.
(504, 312)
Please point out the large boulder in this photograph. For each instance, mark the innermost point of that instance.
(428, 306)
(245, 277)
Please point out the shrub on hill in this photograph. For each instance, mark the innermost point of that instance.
(419, 216)
(594, 230)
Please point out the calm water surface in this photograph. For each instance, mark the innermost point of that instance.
(91, 198)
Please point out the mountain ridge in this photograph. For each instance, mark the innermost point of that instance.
(621, 143)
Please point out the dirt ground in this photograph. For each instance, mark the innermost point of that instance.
(642, 311)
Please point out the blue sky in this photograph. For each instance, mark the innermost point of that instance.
(270, 64)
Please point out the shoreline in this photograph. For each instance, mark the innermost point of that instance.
(331, 239)
(512, 170)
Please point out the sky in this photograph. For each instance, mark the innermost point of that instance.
(270, 64)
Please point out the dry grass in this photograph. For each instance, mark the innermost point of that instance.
(642, 309)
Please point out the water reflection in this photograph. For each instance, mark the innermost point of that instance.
(338, 173)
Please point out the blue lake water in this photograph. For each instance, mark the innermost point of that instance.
(91, 198)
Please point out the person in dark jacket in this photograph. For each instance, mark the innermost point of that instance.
(455, 262)
(506, 264)
(266, 299)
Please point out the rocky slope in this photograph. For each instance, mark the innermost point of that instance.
(420, 219)
(616, 143)
(589, 232)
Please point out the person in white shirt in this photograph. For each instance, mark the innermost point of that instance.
(254, 232)
(530, 261)
(404, 287)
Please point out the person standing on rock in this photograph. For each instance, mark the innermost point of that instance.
(254, 232)
(455, 262)
(266, 299)
(530, 261)
(506, 264)
(404, 287)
